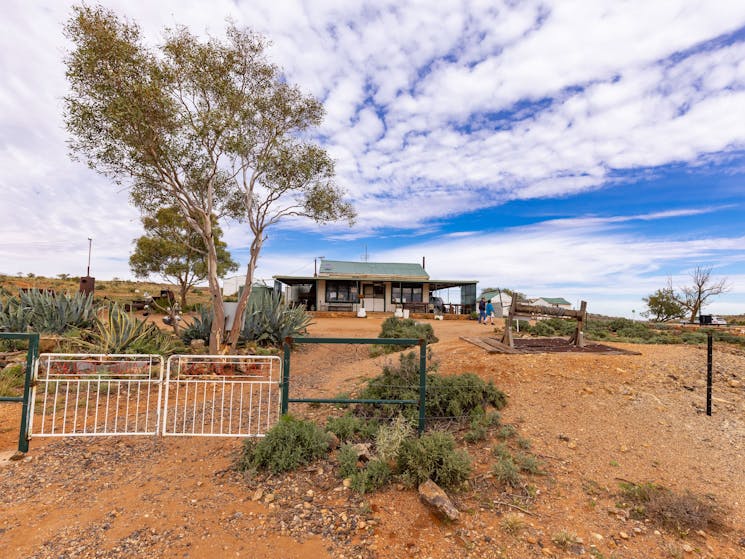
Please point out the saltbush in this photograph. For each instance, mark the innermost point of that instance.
(434, 456)
(350, 427)
(398, 328)
(289, 444)
(451, 396)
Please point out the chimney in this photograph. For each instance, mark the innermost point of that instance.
(423, 266)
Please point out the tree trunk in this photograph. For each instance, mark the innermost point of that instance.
(183, 289)
(248, 284)
(218, 312)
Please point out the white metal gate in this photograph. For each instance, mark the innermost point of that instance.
(221, 395)
(95, 394)
(76, 395)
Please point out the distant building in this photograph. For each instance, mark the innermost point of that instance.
(374, 286)
(501, 301)
(559, 302)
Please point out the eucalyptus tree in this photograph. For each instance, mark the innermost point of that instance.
(174, 251)
(210, 127)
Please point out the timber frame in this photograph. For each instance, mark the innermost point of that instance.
(524, 310)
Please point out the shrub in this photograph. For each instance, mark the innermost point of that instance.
(506, 471)
(681, 512)
(398, 328)
(289, 444)
(452, 396)
(480, 425)
(541, 328)
(374, 475)
(12, 380)
(434, 456)
(348, 459)
(389, 438)
(350, 427)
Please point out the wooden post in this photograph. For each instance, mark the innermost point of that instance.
(578, 339)
(507, 336)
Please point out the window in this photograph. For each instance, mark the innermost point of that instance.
(406, 293)
(341, 292)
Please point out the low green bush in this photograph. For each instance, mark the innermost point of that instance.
(12, 380)
(289, 444)
(350, 427)
(451, 396)
(398, 328)
(434, 456)
(373, 476)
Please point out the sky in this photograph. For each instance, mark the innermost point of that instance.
(580, 149)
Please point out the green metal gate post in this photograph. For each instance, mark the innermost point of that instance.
(32, 355)
(422, 382)
(286, 377)
(422, 343)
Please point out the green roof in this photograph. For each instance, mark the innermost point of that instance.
(382, 269)
(556, 300)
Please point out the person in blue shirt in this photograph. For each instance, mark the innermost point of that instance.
(489, 313)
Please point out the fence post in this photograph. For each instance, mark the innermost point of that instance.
(31, 357)
(286, 376)
(709, 374)
(422, 382)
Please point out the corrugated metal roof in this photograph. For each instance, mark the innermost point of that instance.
(556, 300)
(383, 269)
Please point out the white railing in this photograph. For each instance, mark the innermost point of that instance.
(96, 395)
(221, 395)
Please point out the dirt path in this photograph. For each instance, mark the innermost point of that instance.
(593, 419)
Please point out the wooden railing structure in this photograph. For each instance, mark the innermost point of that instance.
(524, 310)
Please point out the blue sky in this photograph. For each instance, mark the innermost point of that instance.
(586, 150)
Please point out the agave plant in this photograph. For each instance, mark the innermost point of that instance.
(268, 320)
(14, 317)
(200, 326)
(122, 332)
(55, 313)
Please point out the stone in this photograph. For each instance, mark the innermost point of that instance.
(333, 442)
(624, 535)
(258, 494)
(572, 445)
(433, 496)
(597, 536)
(197, 344)
(688, 548)
(734, 383)
(269, 498)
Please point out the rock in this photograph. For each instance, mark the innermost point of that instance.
(363, 451)
(434, 497)
(347, 482)
(688, 548)
(624, 535)
(734, 383)
(269, 498)
(197, 344)
(572, 445)
(258, 494)
(597, 536)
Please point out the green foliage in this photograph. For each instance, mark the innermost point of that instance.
(434, 456)
(209, 125)
(12, 379)
(506, 471)
(46, 312)
(173, 250)
(481, 423)
(452, 396)
(348, 459)
(122, 332)
(552, 327)
(289, 444)
(398, 328)
(373, 476)
(663, 305)
(390, 437)
(199, 327)
(506, 431)
(349, 427)
(269, 320)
